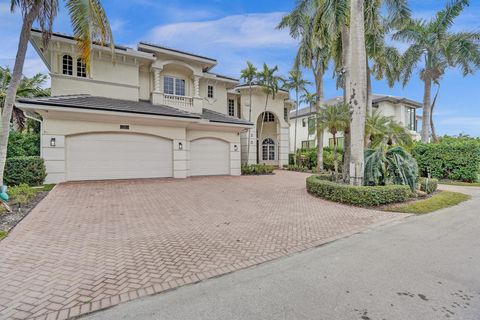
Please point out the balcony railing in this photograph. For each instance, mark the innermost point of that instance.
(177, 101)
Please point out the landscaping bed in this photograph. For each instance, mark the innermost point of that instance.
(23, 200)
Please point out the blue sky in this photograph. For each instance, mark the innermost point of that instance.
(234, 31)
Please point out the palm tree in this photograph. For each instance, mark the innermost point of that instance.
(310, 99)
(313, 52)
(249, 75)
(295, 82)
(437, 48)
(28, 87)
(269, 81)
(335, 119)
(384, 131)
(90, 24)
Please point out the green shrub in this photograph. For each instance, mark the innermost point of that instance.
(21, 194)
(428, 185)
(28, 170)
(363, 196)
(453, 159)
(256, 169)
(294, 167)
(23, 144)
(308, 158)
(291, 158)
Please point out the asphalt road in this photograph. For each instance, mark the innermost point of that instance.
(423, 267)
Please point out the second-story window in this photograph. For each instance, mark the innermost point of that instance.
(231, 107)
(67, 65)
(81, 68)
(174, 86)
(285, 114)
(269, 117)
(210, 91)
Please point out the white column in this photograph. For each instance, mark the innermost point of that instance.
(196, 86)
(156, 79)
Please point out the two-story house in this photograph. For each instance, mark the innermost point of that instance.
(402, 110)
(150, 112)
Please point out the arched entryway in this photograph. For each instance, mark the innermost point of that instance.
(267, 138)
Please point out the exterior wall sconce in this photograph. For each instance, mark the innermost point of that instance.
(235, 148)
(53, 142)
(180, 146)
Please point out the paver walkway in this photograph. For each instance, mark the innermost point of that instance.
(91, 245)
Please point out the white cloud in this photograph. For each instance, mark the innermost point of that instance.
(236, 31)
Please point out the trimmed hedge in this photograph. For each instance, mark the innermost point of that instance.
(363, 196)
(25, 170)
(453, 159)
(256, 169)
(427, 185)
(23, 144)
(308, 158)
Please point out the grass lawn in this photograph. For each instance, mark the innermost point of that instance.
(3, 234)
(438, 201)
(459, 183)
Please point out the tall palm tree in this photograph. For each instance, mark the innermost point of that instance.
(249, 75)
(436, 47)
(295, 81)
(313, 52)
(335, 119)
(89, 23)
(28, 87)
(270, 83)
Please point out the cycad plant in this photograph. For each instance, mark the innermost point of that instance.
(390, 166)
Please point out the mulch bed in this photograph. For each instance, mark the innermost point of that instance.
(8, 220)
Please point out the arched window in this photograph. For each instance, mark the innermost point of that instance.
(81, 68)
(269, 117)
(67, 65)
(268, 149)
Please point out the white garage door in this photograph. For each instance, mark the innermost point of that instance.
(209, 157)
(118, 156)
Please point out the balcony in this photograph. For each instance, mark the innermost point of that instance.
(177, 101)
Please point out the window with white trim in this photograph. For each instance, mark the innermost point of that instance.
(410, 121)
(269, 117)
(231, 107)
(67, 65)
(268, 149)
(210, 91)
(174, 86)
(81, 68)
(285, 114)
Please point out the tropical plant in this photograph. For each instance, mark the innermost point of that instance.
(90, 24)
(436, 47)
(383, 130)
(296, 82)
(28, 87)
(249, 75)
(270, 83)
(335, 119)
(385, 166)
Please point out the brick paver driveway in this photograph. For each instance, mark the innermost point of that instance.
(92, 245)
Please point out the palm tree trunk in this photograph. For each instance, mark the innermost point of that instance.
(346, 90)
(335, 162)
(261, 126)
(14, 83)
(318, 108)
(249, 120)
(295, 136)
(432, 125)
(426, 110)
(357, 97)
(369, 92)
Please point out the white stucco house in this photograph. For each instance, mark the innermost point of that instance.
(402, 110)
(150, 112)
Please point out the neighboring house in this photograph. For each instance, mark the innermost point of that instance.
(401, 109)
(150, 112)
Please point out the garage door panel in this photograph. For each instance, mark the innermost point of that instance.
(209, 157)
(118, 156)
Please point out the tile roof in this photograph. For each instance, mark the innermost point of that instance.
(89, 102)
